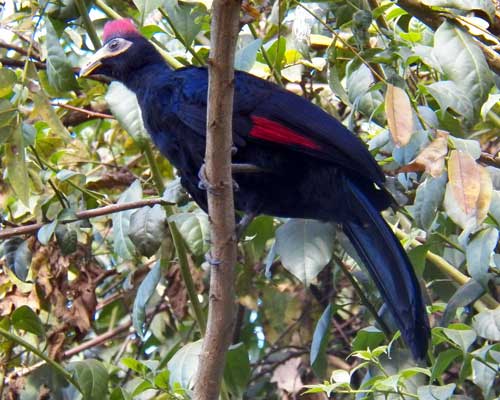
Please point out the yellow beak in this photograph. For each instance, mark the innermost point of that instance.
(95, 60)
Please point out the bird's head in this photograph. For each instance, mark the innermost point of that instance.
(124, 52)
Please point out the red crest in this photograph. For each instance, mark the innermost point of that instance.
(119, 28)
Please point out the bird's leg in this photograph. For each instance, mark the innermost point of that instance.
(244, 223)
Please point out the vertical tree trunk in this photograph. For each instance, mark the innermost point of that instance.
(225, 26)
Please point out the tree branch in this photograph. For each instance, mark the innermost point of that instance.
(96, 212)
(225, 25)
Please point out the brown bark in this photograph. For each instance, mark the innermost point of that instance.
(225, 26)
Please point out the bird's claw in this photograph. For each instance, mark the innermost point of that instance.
(212, 261)
(204, 184)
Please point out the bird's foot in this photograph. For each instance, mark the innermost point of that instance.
(214, 262)
(203, 182)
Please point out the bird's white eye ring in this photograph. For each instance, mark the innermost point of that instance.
(114, 44)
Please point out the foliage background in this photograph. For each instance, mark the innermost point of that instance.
(113, 300)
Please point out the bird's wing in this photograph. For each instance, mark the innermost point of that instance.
(265, 113)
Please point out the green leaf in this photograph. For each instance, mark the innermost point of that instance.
(319, 345)
(59, 70)
(367, 338)
(463, 62)
(431, 392)
(484, 373)
(461, 334)
(161, 380)
(29, 134)
(245, 58)
(67, 239)
(341, 376)
(237, 369)
(145, 7)
(6, 133)
(185, 18)
(256, 236)
(479, 254)
(122, 244)
(141, 388)
(16, 166)
(144, 293)
(7, 112)
(195, 230)
(44, 376)
(92, 378)
(443, 361)
(305, 247)
(184, 364)
(148, 228)
(493, 99)
(7, 80)
(18, 257)
(65, 10)
(135, 365)
(124, 106)
(464, 296)
(119, 393)
(429, 197)
(450, 96)
(65, 174)
(470, 146)
(45, 232)
(174, 192)
(275, 50)
(26, 319)
(358, 83)
(44, 110)
(487, 324)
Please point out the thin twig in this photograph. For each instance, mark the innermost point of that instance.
(96, 212)
(10, 62)
(18, 49)
(90, 113)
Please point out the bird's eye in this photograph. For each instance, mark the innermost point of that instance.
(114, 44)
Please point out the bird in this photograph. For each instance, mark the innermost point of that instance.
(303, 162)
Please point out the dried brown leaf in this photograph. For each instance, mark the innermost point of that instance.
(176, 292)
(465, 181)
(485, 193)
(432, 156)
(399, 115)
(287, 376)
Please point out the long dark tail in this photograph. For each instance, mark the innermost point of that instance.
(390, 268)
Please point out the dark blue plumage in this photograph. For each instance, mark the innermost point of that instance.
(313, 167)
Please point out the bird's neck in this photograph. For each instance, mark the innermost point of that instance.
(148, 76)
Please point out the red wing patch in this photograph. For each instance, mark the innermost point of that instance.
(272, 131)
